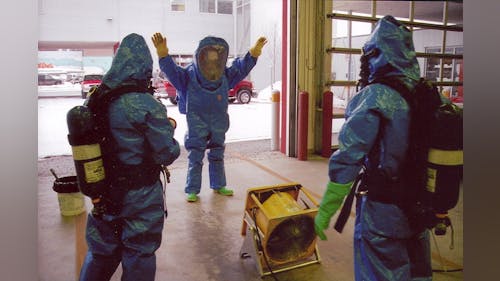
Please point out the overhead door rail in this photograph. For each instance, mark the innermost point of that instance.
(355, 51)
(411, 23)
(339, 16)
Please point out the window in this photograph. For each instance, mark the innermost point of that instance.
(225, 7)
(207, 6)
(452, 69)
(216, 6)
(346, 42)
(41, 10)
(433, 65)
(178, 5)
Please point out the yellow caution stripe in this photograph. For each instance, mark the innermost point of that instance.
(94, 171)
(446, 157)
(275, 97)
(88, 151)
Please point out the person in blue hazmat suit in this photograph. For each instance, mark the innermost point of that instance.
(375, 134)
(130, 229)
(202, 92)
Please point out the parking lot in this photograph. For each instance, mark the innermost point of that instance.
(248, 122)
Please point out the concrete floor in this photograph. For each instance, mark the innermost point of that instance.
(202, 240)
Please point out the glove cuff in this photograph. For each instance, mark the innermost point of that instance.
(333, 198)
(340, 189)
(254, 52)
(162, 53)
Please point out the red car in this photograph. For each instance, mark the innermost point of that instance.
(243, 91)
(89, 81)
(457, 99)
(163, 89)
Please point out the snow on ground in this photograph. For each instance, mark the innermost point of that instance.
(67, 89)
(265, 96)
(248, 121)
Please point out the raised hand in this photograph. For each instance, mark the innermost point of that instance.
(160, 44)
(256, 50)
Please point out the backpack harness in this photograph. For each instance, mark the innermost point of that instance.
(427, 185)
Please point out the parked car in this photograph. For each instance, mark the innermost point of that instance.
(74, 78)
(243, 91)
(90, 80)
(457, 99)
(47, 80)
(164, 89)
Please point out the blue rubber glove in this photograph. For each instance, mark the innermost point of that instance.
(331, 202)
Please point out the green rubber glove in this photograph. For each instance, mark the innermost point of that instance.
(331, 202)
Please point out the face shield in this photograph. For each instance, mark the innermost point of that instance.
(212, 61)
(364, 72)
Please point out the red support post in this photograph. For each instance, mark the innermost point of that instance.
(275, 119)
(326, 142)
(284, 79)
(303, 112)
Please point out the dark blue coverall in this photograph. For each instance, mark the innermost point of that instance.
(385, 247)
(141, 130)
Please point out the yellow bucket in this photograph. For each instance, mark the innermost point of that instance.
(71, 200)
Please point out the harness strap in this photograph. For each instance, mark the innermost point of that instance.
(135, 176)
(120, 177)
(346, 207)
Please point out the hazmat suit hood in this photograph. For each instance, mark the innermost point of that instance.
(390, 52)
(132, 64)
(210, 61)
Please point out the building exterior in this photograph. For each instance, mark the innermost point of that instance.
(302, 36)
(93, 29)
(426, 41)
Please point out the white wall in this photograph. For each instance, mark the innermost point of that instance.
(74, 20)
(340, 65)
(266, 21)
(111, 20)
(431, 38)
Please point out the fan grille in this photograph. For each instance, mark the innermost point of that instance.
(291, 239)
